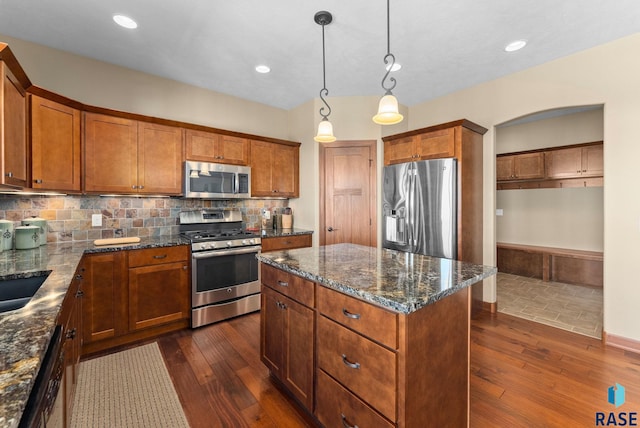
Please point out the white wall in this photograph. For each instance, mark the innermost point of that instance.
(561, 218)
(608, 75)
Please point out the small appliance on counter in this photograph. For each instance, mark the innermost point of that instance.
(39, 222)
(6, 235)
(287, 218)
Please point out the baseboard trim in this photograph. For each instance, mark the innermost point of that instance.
(621, 342)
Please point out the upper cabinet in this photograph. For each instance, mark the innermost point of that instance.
(55, 146)
(127, 156)
(429, 145)
(579, 165)
(219, 148)
(520, 167)
(13, 121)
(275, 169)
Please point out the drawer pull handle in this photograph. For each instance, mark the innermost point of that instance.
(348, 314)
(162, 256)
(283, 284)
(349, 363)
(345, 424)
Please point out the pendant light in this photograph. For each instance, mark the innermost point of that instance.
(388, 108)
(325, 128)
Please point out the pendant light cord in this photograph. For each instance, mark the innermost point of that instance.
(324, 91)
(389, 60)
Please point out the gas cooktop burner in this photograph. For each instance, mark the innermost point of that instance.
(214, 235)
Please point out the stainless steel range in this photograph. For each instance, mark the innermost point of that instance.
(225, 273)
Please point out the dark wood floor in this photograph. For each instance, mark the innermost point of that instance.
(523, 374)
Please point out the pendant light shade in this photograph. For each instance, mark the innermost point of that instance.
(325, 128)
(388, 113)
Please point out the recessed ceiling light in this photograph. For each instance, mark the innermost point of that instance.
(515, 45)
(263, 68)
(396, 67)
(125, 21)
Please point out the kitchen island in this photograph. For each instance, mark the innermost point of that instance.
(370, 337)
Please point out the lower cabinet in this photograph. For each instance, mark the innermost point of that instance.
(134, 295)
(287, 331)
(286, 242)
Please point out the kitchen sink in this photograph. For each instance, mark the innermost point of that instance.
(16, 293)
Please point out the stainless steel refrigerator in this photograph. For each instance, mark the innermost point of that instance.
(419, 207)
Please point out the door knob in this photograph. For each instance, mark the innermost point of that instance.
(331, 229)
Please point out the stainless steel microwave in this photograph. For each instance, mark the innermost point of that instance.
(216, 181)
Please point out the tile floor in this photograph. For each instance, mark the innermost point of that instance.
(570, 307)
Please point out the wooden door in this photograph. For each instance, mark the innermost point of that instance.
(348, 195)
(13, 130)
(272, 335)
(261, 167)
(159, 159)
(55, 146)
(111, 154)
(564, 163)
(158, 294)
(504, 168)
(285, 171)
(593, 161)
(436, 144)
(233, 150)
(298, 374)
(529, 166)
(104, 313)
(399, 150)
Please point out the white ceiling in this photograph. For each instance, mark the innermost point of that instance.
(443, 46)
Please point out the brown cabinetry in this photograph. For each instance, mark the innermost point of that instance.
(520, 167)
(585, 161)
(132, 295)
(427, 145)
(55, 145)
(127, 156)
(287, 331)
(288, 242)
(71, 319)
(275, 169)
(219, 148)
(13, 121)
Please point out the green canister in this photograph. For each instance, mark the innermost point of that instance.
(39, 222)
(27, 237)
(6, 235)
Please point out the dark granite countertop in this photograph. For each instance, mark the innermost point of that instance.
(25, 333)
(276, 233)
(402, 282)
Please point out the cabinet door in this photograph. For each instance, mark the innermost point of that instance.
(233, 150)
(104, 313)
(399, 151)
(298, 374)
(201, 146)
(261, 167)
(436, 144)
(528, 166)
(593, 161)
(504, 168)
(13, 130)
(272, 331)
(158, 294)
(159, 159)
(285, 170)
(564, 163)
(111, 154)
(55, 146)
(286, 242)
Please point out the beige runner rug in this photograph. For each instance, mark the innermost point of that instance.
(131, 388)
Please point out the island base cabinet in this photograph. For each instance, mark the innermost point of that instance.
(286, 346)
(337, 407)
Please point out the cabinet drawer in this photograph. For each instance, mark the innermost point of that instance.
(290, 285)
(286, 242)
(362, 366)
(155, 256)
(370, 320)
(337, 407)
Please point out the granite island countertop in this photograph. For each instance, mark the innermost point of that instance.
(277, 233)
(402, 282)
(25, 333)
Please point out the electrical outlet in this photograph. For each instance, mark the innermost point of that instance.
(96, 219)
(499, 212)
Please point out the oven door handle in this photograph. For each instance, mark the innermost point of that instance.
(230, 252)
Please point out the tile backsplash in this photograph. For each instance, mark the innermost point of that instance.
(69, 217)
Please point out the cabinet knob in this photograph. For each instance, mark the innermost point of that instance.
(134, 186)
(140, 187)
(351, 315)
(9, 174)
(283, 284)
(160, 256)
(349, 363)
(37, 181)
